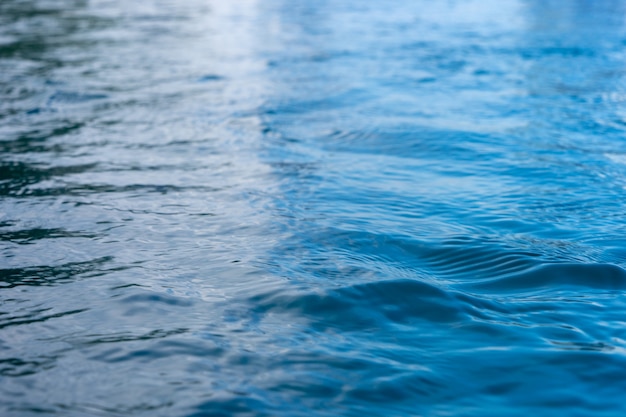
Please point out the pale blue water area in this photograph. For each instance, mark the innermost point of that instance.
(312, 208)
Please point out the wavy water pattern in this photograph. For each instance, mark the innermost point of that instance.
(279, 208)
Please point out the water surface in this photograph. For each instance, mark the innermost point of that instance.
(279, 208)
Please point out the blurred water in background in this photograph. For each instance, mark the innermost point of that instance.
(214, 208)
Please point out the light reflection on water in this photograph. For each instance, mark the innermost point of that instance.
(327, 208)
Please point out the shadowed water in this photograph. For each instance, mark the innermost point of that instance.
(278, 208)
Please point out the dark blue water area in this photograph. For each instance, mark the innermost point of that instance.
(299, 208)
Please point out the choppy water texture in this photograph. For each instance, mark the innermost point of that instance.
(296, 208)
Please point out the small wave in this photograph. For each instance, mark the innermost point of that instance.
(454, 259)
(160, 349)
(53, 275)
(16, 367)
(36, 317)
(371, 305)
(120, 337)
(558, 276)
(71, 97)
(29, 236)
(16, 177)
(210, 78)
(478, 260)
(150, 298)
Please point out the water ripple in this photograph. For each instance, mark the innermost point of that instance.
(275, 208)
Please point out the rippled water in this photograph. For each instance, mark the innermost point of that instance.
(279, 208)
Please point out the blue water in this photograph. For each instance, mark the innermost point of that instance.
(297, 208)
